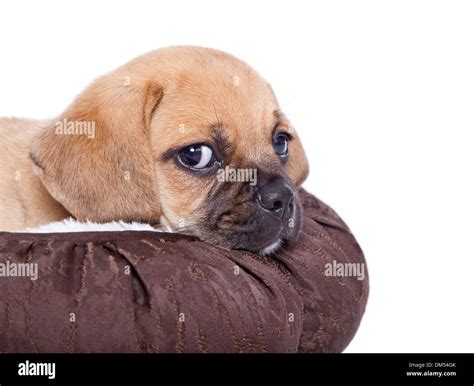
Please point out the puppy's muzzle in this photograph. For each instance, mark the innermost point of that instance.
(257, 218)
(277, 199)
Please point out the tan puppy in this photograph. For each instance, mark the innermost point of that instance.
(184, 137)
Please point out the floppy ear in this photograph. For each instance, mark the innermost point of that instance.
(298, 166)
(96, 158)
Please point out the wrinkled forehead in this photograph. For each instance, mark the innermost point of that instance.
(233, 99)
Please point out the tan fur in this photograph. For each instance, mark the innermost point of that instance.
(162, 100)
(24, 201)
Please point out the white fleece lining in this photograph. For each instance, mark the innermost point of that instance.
(72, 225)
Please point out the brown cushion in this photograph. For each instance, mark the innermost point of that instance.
(159, 292)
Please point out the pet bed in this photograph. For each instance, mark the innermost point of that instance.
(160, 292)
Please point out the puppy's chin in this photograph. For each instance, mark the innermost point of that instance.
(248, 227)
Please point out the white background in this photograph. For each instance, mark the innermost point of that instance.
(382, 93)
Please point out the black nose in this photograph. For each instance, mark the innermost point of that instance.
(276, 197)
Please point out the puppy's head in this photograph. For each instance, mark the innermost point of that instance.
(187, 137)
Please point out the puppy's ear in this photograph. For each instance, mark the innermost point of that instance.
(298, 167)
(96, 158)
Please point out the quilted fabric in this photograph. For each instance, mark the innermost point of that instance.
(160, 292)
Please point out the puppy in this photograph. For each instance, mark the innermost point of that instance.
(188, 139)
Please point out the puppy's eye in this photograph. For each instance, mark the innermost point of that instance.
(196, 157)
(280, 143)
